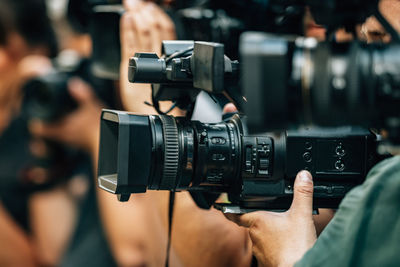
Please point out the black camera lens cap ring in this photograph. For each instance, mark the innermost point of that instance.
(171, 153)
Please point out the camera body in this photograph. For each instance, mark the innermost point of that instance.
(47, 97)
(338, 159)
(297, 80)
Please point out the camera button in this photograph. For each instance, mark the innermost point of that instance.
(307, 157)
(319, 189)
(264, 151)
(339, 150)
(329, 190)
(263, 172)
(339, 165)
(218, 140)
(308, 145)
(338, 190)
(264, 164)
(218, 157)
(248, 159)
(203, 137)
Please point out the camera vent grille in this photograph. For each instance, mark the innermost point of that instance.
(171, 153)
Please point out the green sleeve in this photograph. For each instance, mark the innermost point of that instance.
(366, 228)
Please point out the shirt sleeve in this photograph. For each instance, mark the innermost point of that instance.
(366, 229)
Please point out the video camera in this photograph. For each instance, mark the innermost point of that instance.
(257, 171)
(281, 82)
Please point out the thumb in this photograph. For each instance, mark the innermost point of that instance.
(247, 219)
(303, 194)
(229, 108)
(80, 91)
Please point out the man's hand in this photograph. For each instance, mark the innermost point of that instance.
(281, 239)
(143, 27)
(81, 128)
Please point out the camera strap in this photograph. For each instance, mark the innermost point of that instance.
(170, 214)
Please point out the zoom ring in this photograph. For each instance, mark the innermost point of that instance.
(171, 153)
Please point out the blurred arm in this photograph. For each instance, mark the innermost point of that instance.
(16, 249)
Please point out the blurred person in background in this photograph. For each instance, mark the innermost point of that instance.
(40, 226)
(85, 244)
(137, 231)
(24, 31)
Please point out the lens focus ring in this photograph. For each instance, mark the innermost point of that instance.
(171, 153)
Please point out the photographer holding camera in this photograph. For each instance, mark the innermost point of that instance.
(37, 221)
(137, 230)
(144, 26)
(365, 229)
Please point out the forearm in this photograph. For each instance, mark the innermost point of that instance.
(123, 223)
(52, 219)
(16, 249)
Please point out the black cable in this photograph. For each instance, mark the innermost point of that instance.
(170, 214)
(171, 108)
(178, 54)
(156, 104)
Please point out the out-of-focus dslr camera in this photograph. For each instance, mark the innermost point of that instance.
(47, 98)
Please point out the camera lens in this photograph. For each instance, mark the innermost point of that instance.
(172, 154)
(47, 97)
(40, 98)
(170, 147)
(193, 154)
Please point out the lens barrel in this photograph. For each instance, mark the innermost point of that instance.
(292, 81)
(193, 154)
(47, 97)
(147, 68)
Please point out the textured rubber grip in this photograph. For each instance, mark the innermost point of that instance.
(171, 153)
